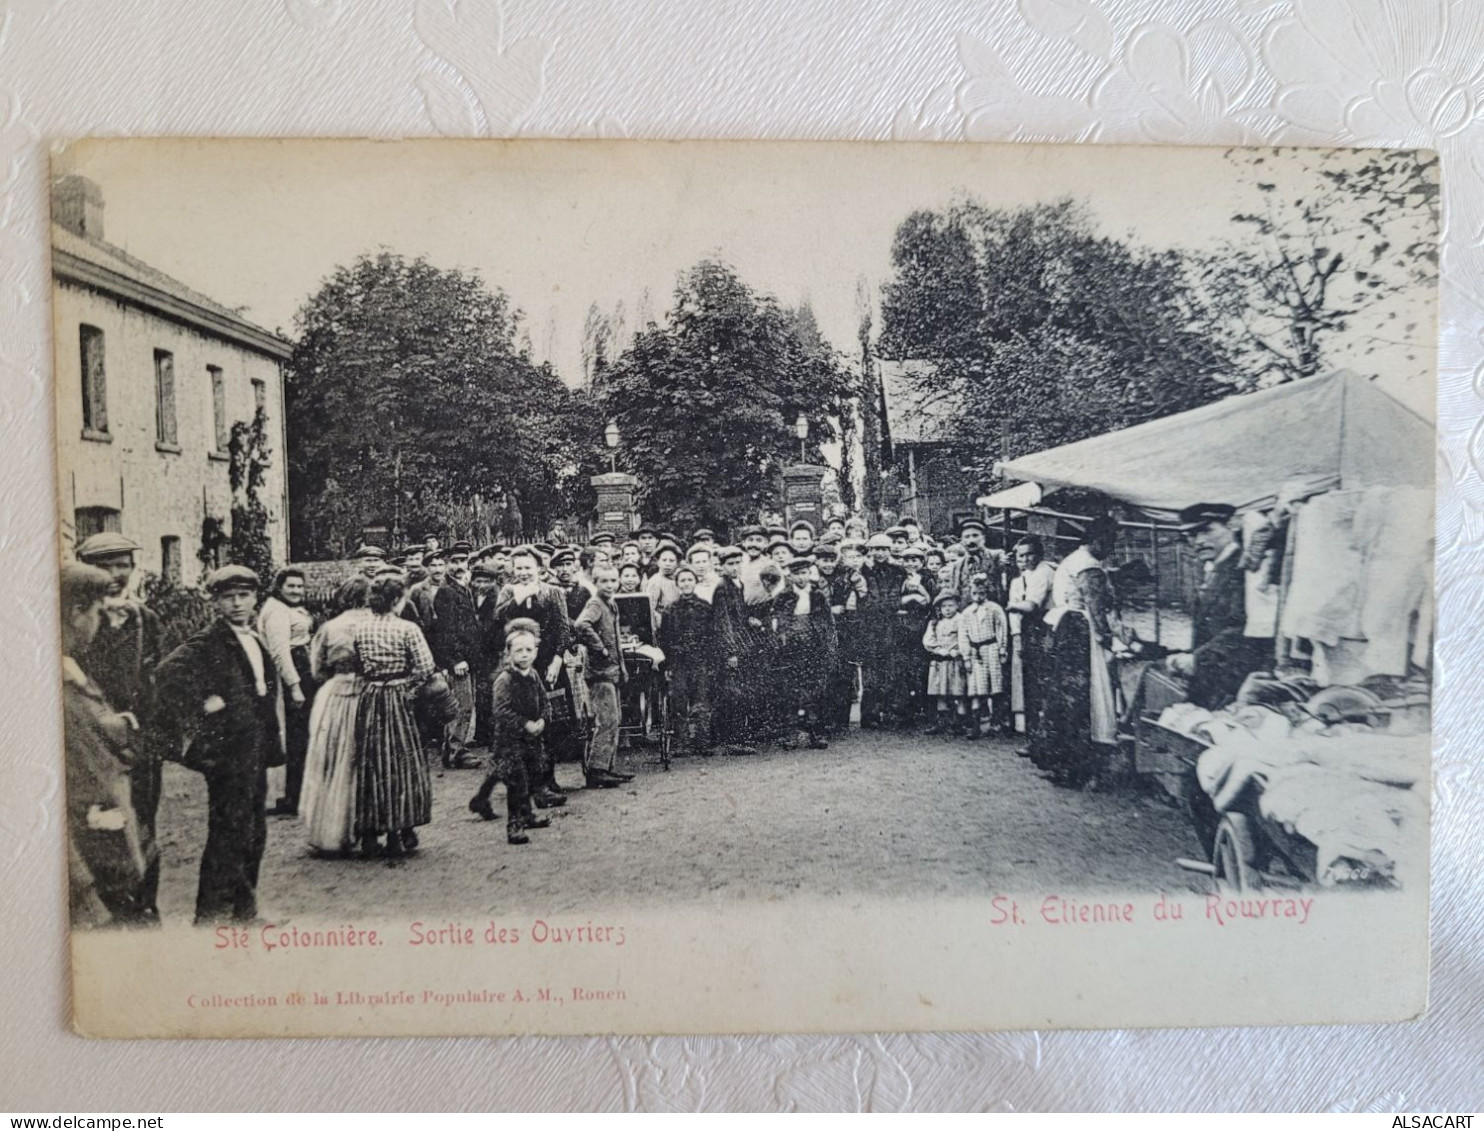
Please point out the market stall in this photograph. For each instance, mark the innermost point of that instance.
(1317, 771)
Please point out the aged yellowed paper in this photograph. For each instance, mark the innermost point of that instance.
(728, 587)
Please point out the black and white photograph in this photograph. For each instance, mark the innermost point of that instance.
(691, 587)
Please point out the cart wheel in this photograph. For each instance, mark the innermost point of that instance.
(1234, 856)
(662, 720)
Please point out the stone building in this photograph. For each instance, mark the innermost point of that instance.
(150, 377)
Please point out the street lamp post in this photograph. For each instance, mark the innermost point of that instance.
(801, 430)
(611, 438)
(615, 490)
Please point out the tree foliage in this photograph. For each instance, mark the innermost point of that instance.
(1320, 258)
(706, 401)
(248, 455)
(410, 404)
(1042, 331)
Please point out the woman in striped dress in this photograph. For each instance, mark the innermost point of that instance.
(327, 805)
(393, 793)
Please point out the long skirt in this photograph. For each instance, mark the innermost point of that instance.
(393, 791)
(327, 804)
(1079, 724)
(984, 674)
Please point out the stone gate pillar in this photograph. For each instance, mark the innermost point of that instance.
(615, 514)
(803, 494)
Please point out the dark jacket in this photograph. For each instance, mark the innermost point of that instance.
(688, 632)
(807, 646)
(122, 661)
(1224, 655)
(518, 700)
(548, 608)
(244, 736)
(455, 637)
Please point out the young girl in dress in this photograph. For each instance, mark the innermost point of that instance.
(946, 683)
(984, 643)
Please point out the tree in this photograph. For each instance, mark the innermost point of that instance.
(1041, 331)
(409, 401)
(247, 460)
(1321, 256)
(706, 402)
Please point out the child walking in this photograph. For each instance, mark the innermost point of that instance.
(984, 643)
(521, 713)
(946, 682)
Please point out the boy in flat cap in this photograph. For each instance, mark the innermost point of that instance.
(221, 690)
(689, 640)
(806, 647)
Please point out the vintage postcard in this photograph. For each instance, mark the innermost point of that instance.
(588, 587)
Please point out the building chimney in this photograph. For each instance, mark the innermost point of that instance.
(77, 204)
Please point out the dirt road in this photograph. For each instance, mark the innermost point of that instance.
(877, 814)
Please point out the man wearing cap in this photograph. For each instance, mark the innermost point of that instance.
(1221, 655)
(526, 596)
(807, 646)
(754, 543)
(877, 623)
(689, 640)
(648, 539)
(845, 587)
(369, 559)
(705, 537)
(457, 645)
(738, 648)
(422, 595)
(914, 613)
(286, 627)
(220, 689)
(122, 659)
(899, 541)
(976, 559)
(597, 628)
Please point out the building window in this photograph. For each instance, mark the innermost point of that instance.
(166, 435)
(94, 382)
(259, 395)
(221, 429)
(88, 521)
(170, 559)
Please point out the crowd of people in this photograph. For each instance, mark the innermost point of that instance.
(519, 658)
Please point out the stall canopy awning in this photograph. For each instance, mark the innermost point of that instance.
(1021, 497)
(1303, 437)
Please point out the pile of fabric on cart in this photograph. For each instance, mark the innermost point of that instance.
(1346, 769)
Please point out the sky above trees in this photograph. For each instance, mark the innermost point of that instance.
(560, 227)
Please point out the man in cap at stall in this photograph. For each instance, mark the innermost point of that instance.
(121, 660)
(221, 690)
(1221, 655)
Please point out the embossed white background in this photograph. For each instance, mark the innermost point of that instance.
(1174, 71)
